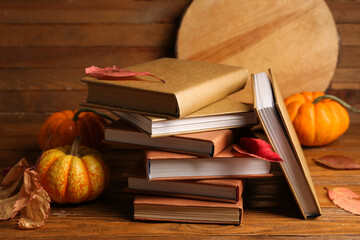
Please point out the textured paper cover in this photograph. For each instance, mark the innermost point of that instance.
(279, 102)
(280, 106)
(194, 84)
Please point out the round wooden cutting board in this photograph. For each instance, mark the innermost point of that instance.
(297, 39)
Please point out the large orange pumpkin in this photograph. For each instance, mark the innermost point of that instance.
(72, 174)
(61, 128)
(317, 121)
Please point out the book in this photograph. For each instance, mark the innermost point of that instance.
(223, 114)
(161, 165)
(189, 86)
(203, 143)
(272, 113)
(156, 208)
(220, 190)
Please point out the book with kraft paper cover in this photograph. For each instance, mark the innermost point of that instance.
(272, 113)
(189, 86)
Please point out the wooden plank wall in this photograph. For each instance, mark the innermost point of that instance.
(45, 46)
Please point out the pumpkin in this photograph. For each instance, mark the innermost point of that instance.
(73, 174)
(61, 128)
(318, 119)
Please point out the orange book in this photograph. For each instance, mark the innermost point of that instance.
(161, 165)
(154, 208)
(221, 190)
(203, 143)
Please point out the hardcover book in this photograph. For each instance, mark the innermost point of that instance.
(189, 86)
(161, 165)
(156, 208)
(271, 110)
(223, 114)
(220, 190)
(203, 143)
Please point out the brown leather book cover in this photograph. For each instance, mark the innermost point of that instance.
(228, 153)
(216, 141)
(185, 80)
(235, 185)
(155, 208)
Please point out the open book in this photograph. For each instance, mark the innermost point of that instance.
(275, 120)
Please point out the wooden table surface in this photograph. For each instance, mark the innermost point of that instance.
(110, 217)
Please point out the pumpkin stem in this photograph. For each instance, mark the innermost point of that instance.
(76, 115)
(344, 104)
(74, 147)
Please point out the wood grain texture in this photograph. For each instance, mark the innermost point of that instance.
(88, 35)
(91, 11)
(298, 40)
(110, 217)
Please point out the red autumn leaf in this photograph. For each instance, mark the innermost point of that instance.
(114, 73)
(345, 199)
(338, 162)
(256, 148)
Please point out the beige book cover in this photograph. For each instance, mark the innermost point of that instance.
(295, 168)
(189, 86)
(156, 208)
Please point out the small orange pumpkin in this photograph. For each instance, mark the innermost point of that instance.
(73, 174)
(61, 128)
(318, 119)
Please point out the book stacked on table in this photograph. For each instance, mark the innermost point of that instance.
(185, 126)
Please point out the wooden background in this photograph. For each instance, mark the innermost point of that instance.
(45, 46)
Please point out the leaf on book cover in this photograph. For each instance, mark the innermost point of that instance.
(345, 199)
(115, 73)
(338, 162)
(12, 179)
(256, 148)
(32, 201)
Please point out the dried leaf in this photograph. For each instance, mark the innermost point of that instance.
(345, 199)
(115, 73)
(6, 170)
(34, 214)
(7, 207)
(338, 162)
(12, 179)
(256, 148)
(32, 201)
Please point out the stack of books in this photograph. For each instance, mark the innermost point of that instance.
(186, 126)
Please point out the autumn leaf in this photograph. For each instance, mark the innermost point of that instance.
(37, 209)
(115, 73)
(338, 162)
(345, 199)
(256, 148)
(12, 179)
(32, 201)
